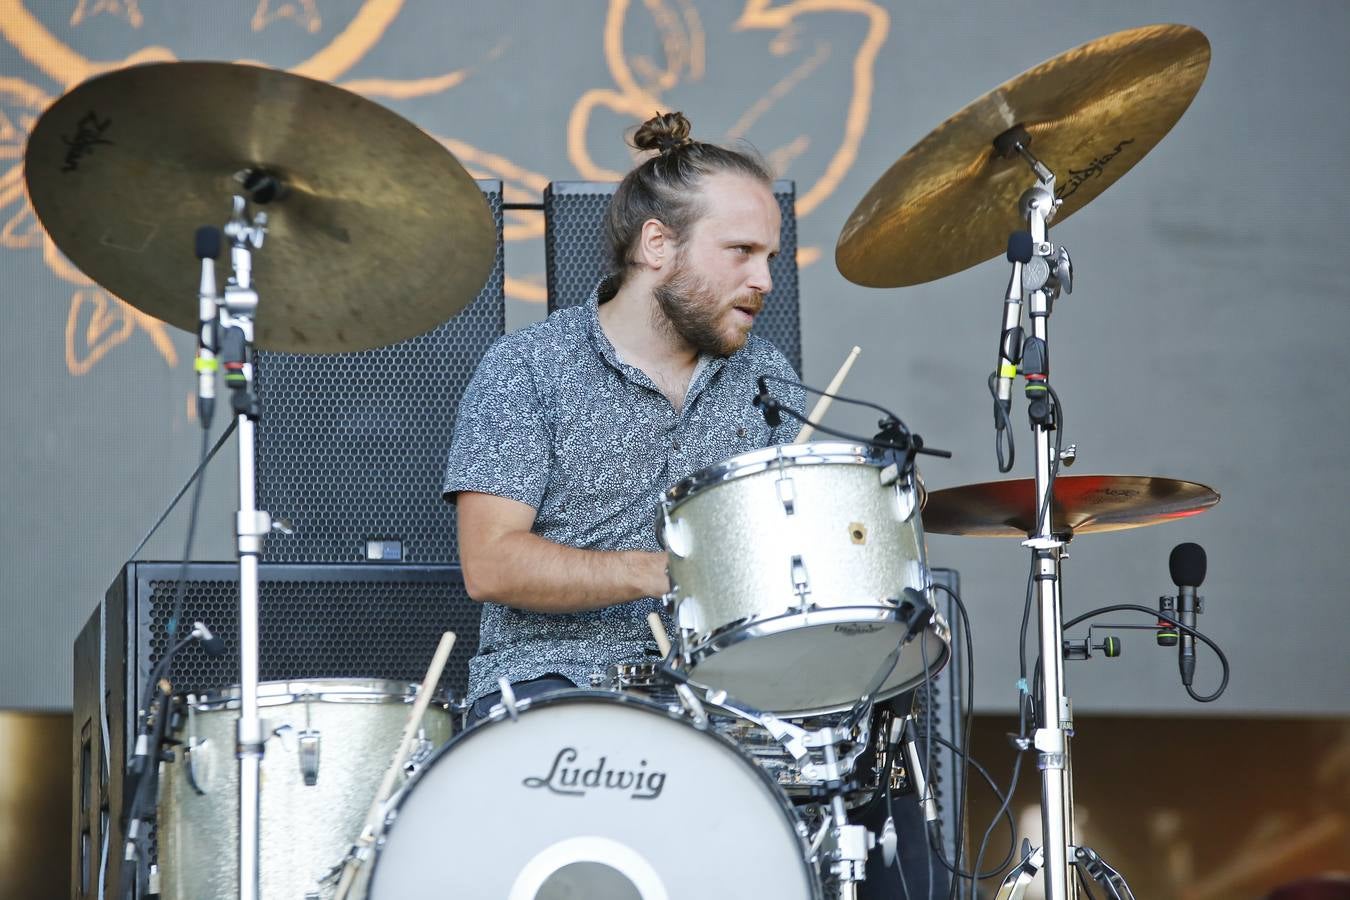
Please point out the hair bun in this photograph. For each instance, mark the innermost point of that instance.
(663, 132)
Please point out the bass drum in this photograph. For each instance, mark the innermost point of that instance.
(596, 795)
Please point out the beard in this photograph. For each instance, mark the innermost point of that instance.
(690, 309)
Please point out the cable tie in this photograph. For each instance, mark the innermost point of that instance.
(1022, 687)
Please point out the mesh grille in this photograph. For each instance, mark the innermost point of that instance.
(352, 446)
(373, 621)
(574, 246)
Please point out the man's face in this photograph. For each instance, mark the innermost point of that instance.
(717, 284)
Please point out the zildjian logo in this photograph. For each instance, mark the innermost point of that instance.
(1077, 177)
(88, 134)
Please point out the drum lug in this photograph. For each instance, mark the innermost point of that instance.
(801, 582)
(508, 701)
(673, 534)
(309, 756)
(787, 494)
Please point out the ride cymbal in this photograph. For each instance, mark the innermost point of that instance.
(1092, 113)
(1083, 504)
(375, 233)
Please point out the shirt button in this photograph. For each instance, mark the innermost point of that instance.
(675, 445)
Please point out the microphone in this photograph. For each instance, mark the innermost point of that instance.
(1020, 251)
(1187, 567)
(211, 644)
(207, 241)
(767, 404)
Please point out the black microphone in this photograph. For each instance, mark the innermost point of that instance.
(767, 404)
(1020, 250)
(207, 248)
(1187, 567)
(211, 644)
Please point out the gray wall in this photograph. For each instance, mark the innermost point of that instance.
(1206, 339)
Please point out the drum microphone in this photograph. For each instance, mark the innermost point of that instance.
(207, 248)
(211, 644)
(768, 404)
(1020, 251)
(1187, 566)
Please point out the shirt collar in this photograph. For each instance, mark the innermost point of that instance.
(707, 367)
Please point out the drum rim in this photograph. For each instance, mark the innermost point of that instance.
(322, 690)
(753, 462)
(524, 706)
(730, 635)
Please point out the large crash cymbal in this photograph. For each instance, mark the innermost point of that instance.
(1083, 504)
(1092, 113)
(378, 233)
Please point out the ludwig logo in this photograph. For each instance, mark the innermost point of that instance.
(569, 778)
(855, 629)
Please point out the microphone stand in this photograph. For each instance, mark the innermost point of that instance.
(1059, 858)
(237, 309)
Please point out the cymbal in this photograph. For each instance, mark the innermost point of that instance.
(378, 234)
(1083, 504)
(1092, 113)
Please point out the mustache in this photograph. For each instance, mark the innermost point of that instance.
(753, 301)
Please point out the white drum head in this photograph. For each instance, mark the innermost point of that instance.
(808, 664)
(592, 795)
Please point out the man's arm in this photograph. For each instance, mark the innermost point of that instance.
(507, 563)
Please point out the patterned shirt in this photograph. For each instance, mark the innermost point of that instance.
(555, 419)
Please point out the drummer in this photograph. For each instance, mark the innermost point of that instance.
(572, 428)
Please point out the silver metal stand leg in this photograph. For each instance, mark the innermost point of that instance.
(252, 525)
(240, 305)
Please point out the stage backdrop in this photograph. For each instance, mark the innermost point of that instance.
(1208, 337)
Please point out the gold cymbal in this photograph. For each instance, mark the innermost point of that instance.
(1092, 113)
(378, 234)
(1083, 504)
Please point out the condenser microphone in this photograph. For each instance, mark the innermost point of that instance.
(207, 247)
(1020, 251)
(1187, 566)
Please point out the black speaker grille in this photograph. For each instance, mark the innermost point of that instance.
(320, 622)
(576, 257)
(352, 446)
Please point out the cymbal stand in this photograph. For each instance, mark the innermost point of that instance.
(237, 309)
(1043, 277)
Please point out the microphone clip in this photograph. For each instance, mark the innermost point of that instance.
(768, 404)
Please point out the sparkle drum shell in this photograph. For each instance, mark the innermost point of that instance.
(788, 566)
(340, 733)
(592, 794)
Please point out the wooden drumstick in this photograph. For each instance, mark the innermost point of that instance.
(823, 404)
(420, 704)
(659, 632)
(683, 691)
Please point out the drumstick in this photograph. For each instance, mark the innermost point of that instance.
(823, 403)
(659, 632)
(419, 709)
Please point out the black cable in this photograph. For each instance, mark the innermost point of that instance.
(899, 865)
(1002, 430)
(171, 627)
(1135, 607)
(909, 441)
(967, 729)
(1005, 809)
(196, 473)
(881, 409)
(1003, 813)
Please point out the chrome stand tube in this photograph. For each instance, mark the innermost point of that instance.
(239, 308)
